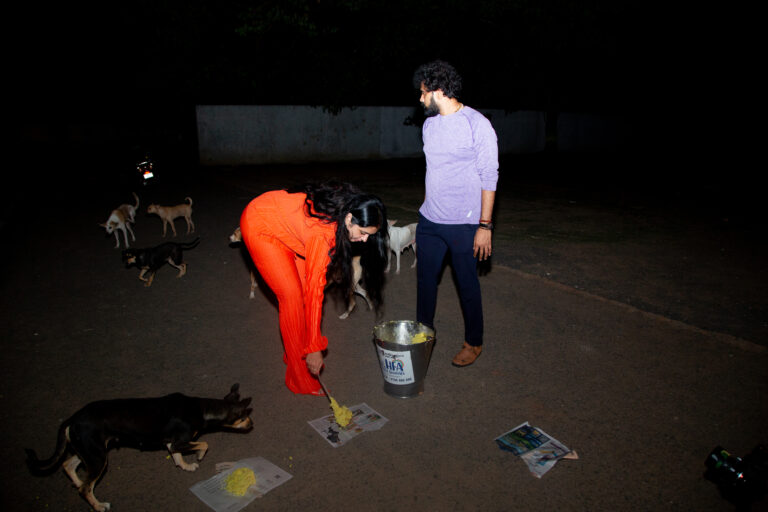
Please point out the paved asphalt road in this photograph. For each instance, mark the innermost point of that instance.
(613, 323)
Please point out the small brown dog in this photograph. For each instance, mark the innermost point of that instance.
(170, 213)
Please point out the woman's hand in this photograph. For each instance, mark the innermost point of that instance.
(314, 362)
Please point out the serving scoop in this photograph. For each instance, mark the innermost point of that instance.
(325, 390)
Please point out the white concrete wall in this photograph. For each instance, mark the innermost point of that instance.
(518, 132)
(591, 132)
(252, 134)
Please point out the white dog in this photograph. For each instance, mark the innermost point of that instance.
(121, 219)
(400, 238)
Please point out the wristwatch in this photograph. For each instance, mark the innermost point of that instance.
(486, 225)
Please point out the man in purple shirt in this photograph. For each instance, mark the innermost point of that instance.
(461, 152)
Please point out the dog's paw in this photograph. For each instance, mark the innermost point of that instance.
(102, 507)
(190, 467)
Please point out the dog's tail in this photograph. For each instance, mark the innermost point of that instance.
(51, 464)
(189, 200)
(137, 200)
(190, 245)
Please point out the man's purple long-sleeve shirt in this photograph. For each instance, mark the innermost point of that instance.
(462, 157)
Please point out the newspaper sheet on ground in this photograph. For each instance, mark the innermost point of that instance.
(538, 449)
(364, 419)
(213, 493)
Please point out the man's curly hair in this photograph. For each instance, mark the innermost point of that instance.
(436, 75)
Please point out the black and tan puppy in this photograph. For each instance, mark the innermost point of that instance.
(172, 422)
(149, 260)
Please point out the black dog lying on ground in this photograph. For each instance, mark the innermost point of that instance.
(149, 260)
(173, 422)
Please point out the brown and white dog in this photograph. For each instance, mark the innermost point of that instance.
(357, 275)
(237, 238)
(172, 422)
(169, 213)
(129, 210)
(121, 219)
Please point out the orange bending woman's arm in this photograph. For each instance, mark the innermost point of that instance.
(316, 261)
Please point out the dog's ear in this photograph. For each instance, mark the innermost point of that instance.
(245, 402)
(391, 222)
(233, 395)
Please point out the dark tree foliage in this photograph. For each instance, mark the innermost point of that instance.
(513, 54)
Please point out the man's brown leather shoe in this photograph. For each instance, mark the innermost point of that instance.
(467, 355)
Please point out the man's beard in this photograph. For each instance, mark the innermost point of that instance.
(431, 110)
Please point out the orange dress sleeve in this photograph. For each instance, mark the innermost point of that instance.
(316, 262)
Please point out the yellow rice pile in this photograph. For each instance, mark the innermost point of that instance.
(342, 414)
(238, 482)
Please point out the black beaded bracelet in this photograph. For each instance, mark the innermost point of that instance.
(488, 226)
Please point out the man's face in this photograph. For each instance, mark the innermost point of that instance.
(428, 102)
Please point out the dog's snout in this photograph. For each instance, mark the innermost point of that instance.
(243, 423)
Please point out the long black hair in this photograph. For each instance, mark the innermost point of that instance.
(331, 201)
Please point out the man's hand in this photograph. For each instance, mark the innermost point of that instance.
(482, 245)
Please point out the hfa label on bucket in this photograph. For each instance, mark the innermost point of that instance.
(396, 366)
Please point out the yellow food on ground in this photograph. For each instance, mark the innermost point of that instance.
(342, 414)
(239, 481)
(419, 338)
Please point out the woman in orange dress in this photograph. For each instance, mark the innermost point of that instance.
(300, 239)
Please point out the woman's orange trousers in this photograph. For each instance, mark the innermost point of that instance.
(283, 271)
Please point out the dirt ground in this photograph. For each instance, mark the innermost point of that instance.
(630, 325)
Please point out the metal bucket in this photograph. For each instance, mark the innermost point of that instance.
(404, 348)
